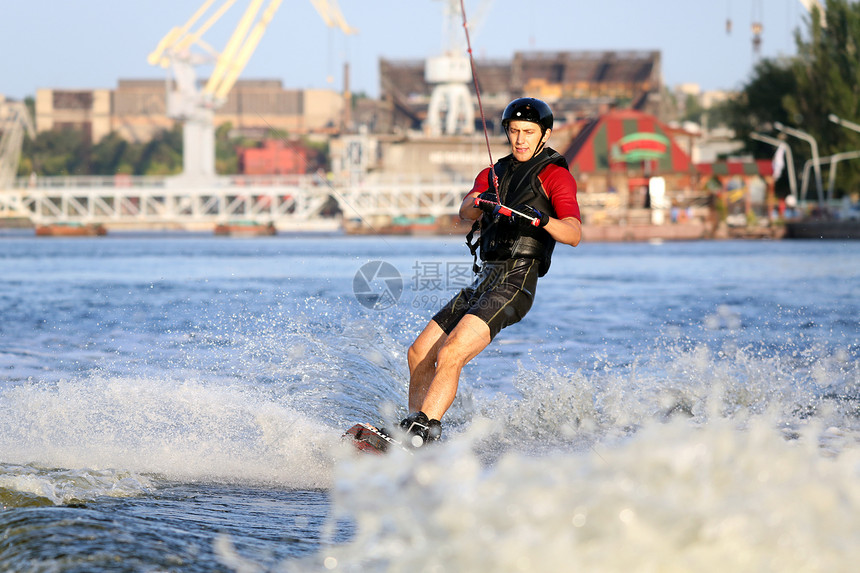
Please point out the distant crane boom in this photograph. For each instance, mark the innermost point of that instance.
(332, 16)
(239, 49)
(196, 107)
(810, 4)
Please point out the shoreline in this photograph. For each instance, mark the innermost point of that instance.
(695, 230)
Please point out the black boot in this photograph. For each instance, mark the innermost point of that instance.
(420, 429)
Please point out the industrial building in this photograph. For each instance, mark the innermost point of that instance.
(575, 84)
(137, 109)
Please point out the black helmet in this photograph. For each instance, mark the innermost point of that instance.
(528, 109)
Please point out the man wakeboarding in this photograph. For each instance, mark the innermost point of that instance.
(522, 205)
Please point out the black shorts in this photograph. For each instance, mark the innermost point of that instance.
(501, 295)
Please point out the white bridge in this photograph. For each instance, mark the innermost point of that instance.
(286, 201)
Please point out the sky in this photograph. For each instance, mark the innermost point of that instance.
(91, 44)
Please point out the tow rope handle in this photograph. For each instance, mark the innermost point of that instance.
(507, 211)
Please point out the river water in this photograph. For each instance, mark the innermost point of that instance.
(174, 403)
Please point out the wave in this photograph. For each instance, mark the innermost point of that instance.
(674, 496)
(281, 429)
(178, 430)
(693, 459)
(30, 486)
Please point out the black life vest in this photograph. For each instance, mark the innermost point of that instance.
(501, 237)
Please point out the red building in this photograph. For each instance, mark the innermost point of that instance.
(274, 157)
(622, 149)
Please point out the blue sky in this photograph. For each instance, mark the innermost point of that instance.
(94, 43)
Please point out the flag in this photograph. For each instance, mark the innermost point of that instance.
(778, 162)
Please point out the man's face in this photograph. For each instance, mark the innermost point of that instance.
(525, 138)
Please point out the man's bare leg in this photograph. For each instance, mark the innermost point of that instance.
(467, 340)
(421, 358)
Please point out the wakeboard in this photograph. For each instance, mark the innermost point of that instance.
(367, 438)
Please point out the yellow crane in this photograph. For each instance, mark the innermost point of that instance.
(180, 49)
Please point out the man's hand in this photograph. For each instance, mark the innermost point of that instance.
(488, 202)
(538, 219)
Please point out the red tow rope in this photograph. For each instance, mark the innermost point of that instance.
(478, 93)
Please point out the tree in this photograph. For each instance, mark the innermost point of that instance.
(800, 92)
(693, 110)
(827, 73)
(226, 158)
(761, 102)
(110, 156)
(759, 105)
(68, 152)
(61, 152)
(162, 155)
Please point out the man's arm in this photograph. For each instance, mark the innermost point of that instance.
(562, 192)
(567, 230)
(468, 211)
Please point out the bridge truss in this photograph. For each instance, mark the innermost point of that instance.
(284, 201)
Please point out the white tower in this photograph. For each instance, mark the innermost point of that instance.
(450, 111)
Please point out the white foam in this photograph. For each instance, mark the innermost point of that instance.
(694, 461)
(676, 496)
(22, 486)
(186, 430)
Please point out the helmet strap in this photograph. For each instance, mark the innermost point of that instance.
(542, 141)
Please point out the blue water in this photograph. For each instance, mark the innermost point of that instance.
(174, 403)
